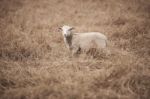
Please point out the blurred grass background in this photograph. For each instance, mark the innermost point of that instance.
(35, 64)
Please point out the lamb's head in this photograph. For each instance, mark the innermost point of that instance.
(66, 31)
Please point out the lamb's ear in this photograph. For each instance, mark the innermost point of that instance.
(60, 28)
(72, 28)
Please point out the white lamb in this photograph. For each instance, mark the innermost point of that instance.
(77, 42)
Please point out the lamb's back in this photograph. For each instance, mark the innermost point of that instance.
(88, 40)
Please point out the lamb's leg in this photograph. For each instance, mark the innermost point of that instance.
(76, 51)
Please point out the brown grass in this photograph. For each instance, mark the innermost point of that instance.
(35, 64)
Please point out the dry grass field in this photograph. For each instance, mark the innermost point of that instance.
(35, 64)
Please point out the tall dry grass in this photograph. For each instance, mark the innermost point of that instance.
(35, 64)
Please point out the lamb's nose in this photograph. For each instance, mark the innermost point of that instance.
(65, 35)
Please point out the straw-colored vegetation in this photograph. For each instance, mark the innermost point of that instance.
(35, 64)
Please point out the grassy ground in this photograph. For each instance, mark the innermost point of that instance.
(35, 64)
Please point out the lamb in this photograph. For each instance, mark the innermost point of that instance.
(77, 42)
